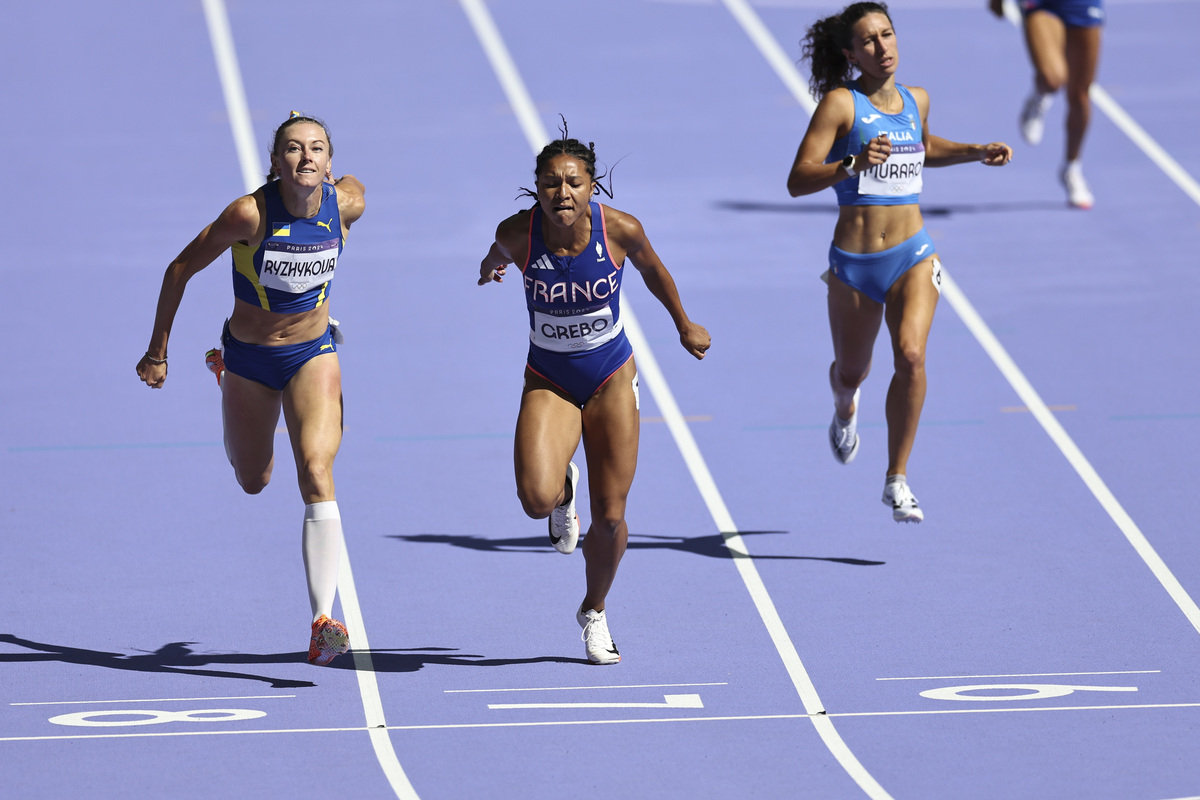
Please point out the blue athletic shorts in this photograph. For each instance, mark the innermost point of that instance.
(1073, 13)
(874, 273)
(273, 367)
(580, 375)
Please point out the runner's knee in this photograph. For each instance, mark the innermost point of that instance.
(252, 481)
(910, 358)
(316, 478)
(537, 502)
(608, 514)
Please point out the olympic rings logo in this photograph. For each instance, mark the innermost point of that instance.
(90, 719)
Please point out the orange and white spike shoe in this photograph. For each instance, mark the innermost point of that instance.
(216, 363)
(329, 640)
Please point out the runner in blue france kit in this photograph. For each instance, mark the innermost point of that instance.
(1063, 40)
(279, 346)
(580, 378)
(869, 139)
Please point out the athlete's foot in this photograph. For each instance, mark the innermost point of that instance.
(329, 640)
(1079, 194)
(904, 504)
(597, 642)
(843, 434)
(216, 363)
(1033, 116)
(564, 523)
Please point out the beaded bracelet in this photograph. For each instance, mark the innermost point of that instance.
(154, 360)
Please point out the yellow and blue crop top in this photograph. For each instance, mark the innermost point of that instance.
(291, 270)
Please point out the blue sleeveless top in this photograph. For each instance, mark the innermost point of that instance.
(291, 269)
(896, 181)
(573, 301)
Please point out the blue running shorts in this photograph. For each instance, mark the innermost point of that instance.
(580, 375)
(273, 367)
(1073, 13)
(874, 273)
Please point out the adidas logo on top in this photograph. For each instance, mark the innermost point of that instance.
(543, 263)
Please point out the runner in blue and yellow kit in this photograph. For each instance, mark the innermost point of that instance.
(869, 139)
(279, 347)
(580, 378)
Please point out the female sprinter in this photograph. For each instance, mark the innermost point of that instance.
(279, 347)
(870, 140)
(1063, 39)
(580, 379)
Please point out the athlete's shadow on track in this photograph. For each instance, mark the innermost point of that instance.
(711, 545)
(928, 211)
(177, 658)
(174, 658)
(413, 659)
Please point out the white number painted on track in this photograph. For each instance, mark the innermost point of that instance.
(89, 718)
(671, 701)
(1016, 691)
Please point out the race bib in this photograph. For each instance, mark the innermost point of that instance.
(296, 268)
(575, 333)
(900, 175)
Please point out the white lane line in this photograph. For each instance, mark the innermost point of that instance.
(1067, 446)
(235, 93)
(648, 370)
(817, 719)
(1008, 368)
(578, 688)
(771, 50)
(154, 700)
(368, 686)
(507, 73)
(243, 135)
(1143, 140)
(1142, 706)
(654, 379)
(1059, 435)
(1022, 675)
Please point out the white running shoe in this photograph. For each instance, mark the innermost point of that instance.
(904, 505)
(843, 435)
(1078, 193)
(597, 641)
(1033, 116)
(564, 523)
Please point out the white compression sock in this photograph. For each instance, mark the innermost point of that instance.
(322, 545)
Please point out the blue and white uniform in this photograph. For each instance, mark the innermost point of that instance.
(289, 272)
(897, 181)
(576, 338)
(1073, 13)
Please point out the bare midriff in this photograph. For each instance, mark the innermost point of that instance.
(872, 229)
(254, 325)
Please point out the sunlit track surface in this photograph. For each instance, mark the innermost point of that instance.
(1013, 645)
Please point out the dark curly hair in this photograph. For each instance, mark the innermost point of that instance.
(824, 42)
(295, 119)
(564, 145)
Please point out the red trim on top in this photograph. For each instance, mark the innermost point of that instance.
(604, 232)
